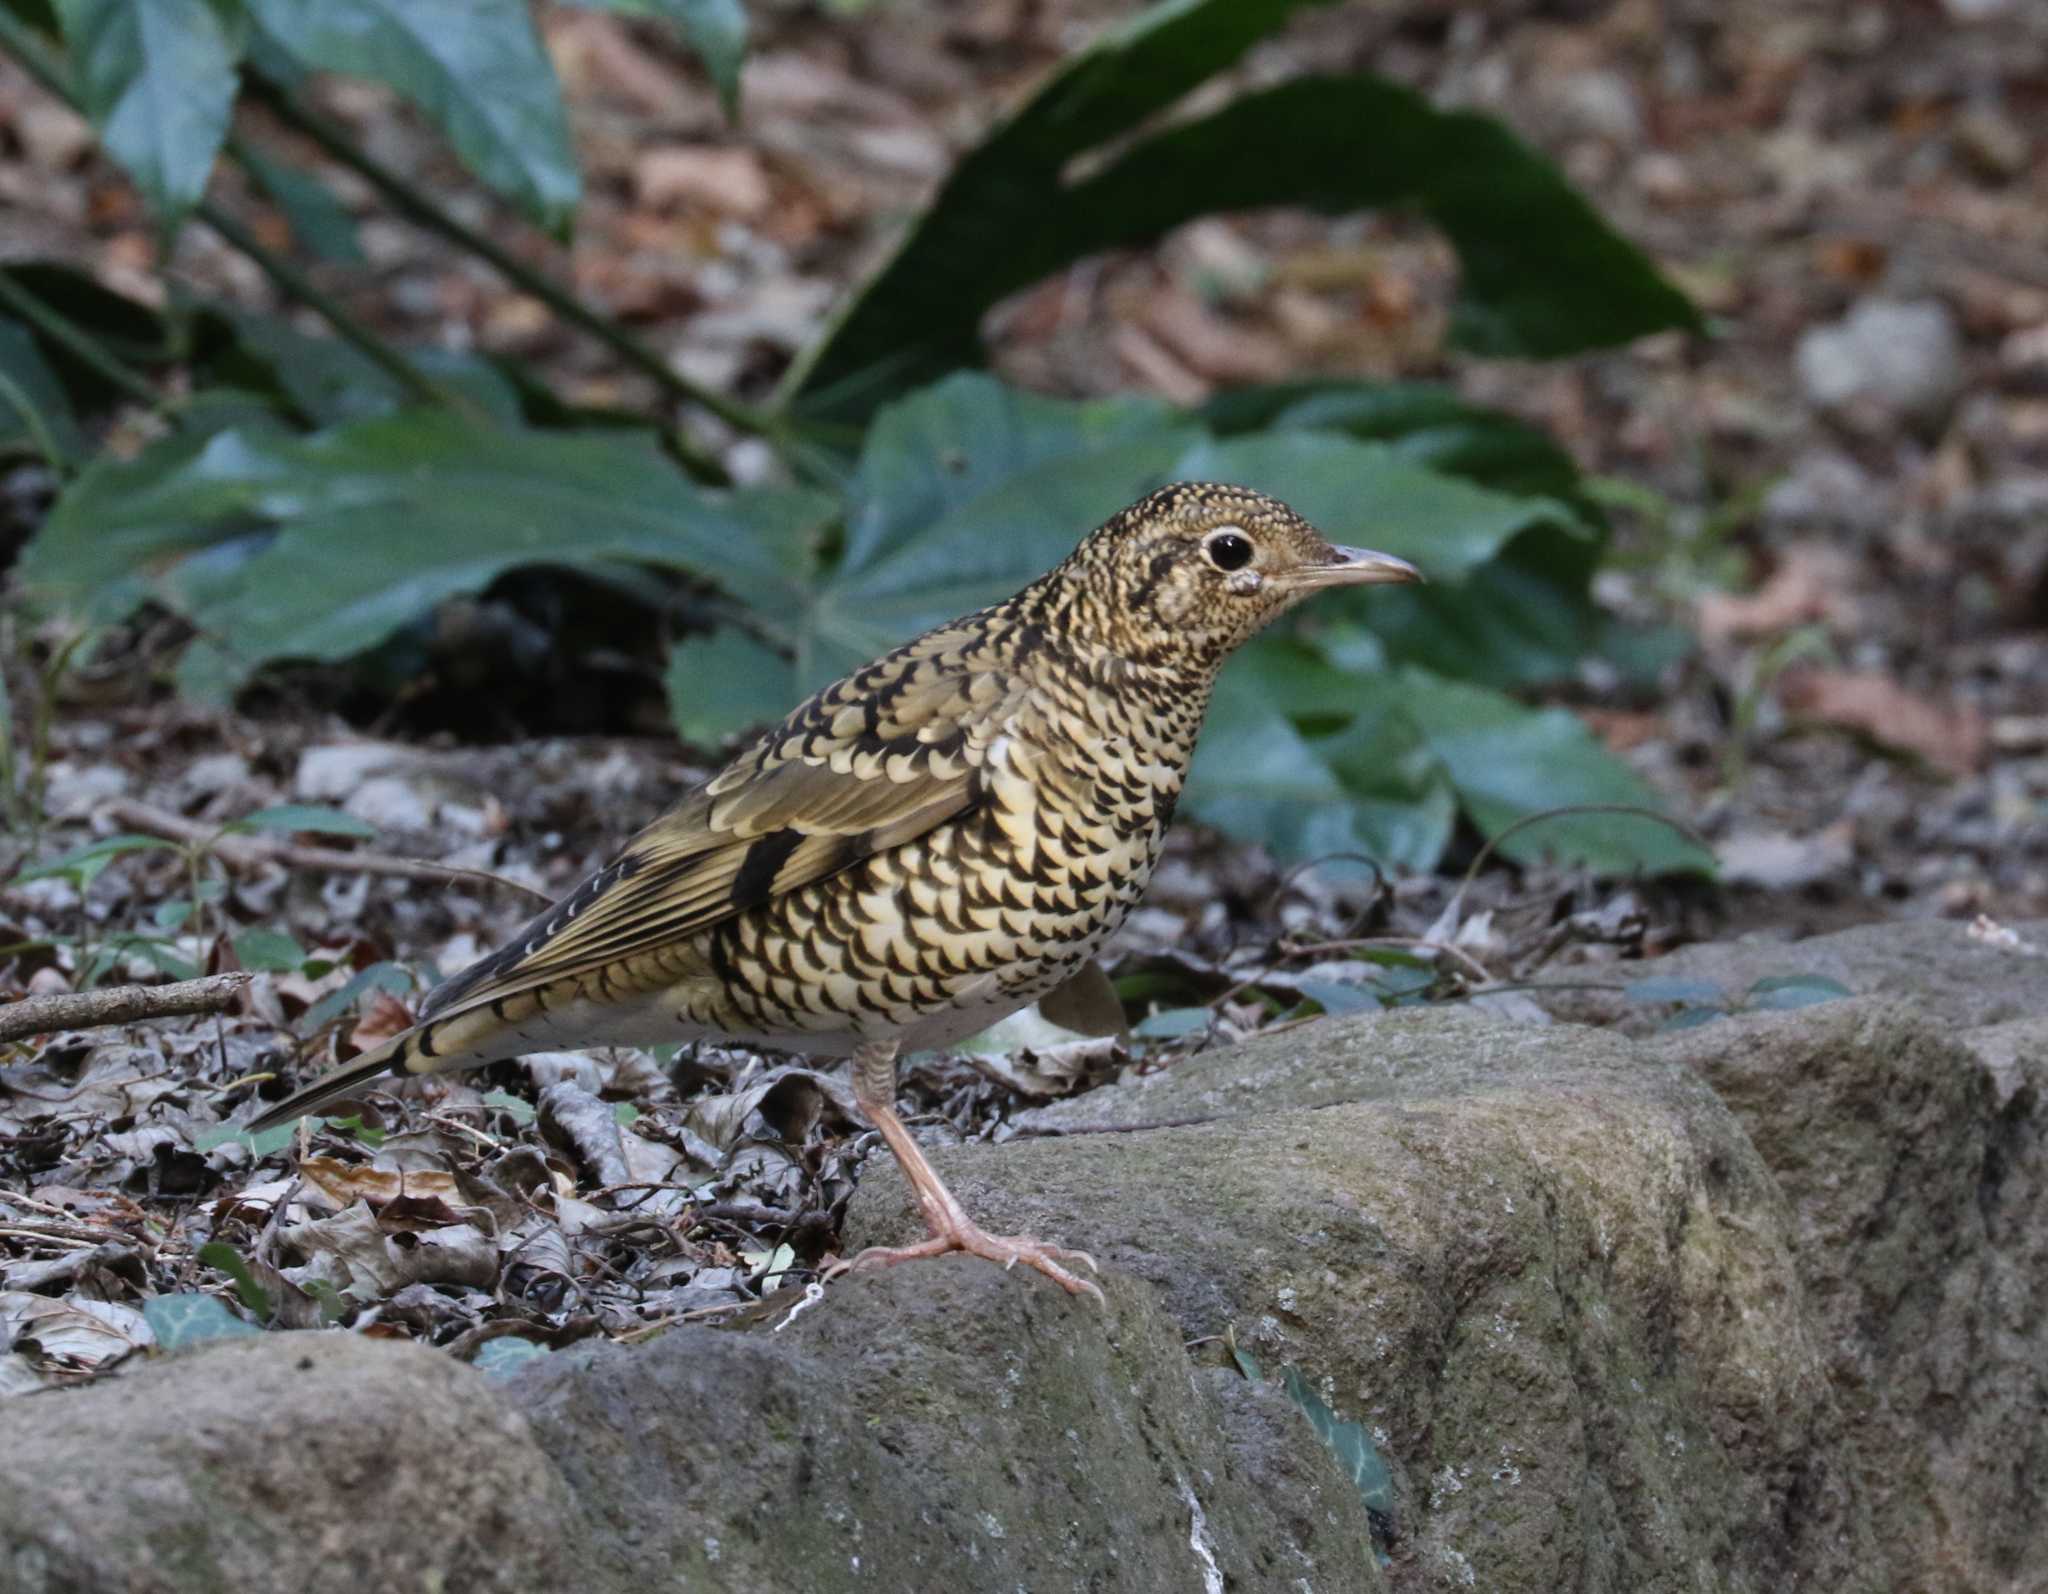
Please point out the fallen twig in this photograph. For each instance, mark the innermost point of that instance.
(124, 1004)
(245, 852)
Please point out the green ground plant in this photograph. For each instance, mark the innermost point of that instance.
(312, 498)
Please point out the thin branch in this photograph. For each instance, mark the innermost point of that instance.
(124, 1004)
(423, 210)
(248, 852)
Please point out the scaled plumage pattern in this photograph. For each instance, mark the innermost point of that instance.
(935, 841)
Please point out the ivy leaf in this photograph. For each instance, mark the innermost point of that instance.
(187, 1319)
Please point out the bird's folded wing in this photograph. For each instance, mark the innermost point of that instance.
(831, 785)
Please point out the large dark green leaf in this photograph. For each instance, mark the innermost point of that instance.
(1507, 762)
(1373, 787)
(1542, 274)
(475, 66)
(320, 547)
(35, 414)
(1312, 760)
(1421, 421)
(326, 380)
(715, 29)
(157, 77)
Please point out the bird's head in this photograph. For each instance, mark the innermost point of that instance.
(1192, 571)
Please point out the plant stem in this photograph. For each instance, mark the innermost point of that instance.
(58, 328)
(297, 285)
(423, 210)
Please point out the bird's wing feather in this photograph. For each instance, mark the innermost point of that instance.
(869, 763)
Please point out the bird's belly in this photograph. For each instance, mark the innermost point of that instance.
(924, 944)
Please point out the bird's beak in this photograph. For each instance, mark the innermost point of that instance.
(1353, 567)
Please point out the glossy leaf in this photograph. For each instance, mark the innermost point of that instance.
(35, 412)
(1782, 992)
(1541, 273)
(1507, 762)
(157, 78)
(268, 951)
(475, 67)
(725, 683)
(183, 1320)
(320, 547)
(303, 818)
(1373, 787)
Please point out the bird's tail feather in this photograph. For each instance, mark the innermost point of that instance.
(399, 1054)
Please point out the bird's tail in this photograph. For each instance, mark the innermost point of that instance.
(399, 1054)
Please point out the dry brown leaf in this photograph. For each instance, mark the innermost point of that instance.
(341, 1184)
(1811, 582)
(385, 1017)
(732, 181)
(1951, 736)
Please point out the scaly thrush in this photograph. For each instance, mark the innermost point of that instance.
(938, 839)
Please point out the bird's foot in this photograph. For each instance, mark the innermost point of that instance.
(1006, 1250)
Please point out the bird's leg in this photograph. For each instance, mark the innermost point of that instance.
(874, 1087)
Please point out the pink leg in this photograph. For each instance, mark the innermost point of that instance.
(874, 1086)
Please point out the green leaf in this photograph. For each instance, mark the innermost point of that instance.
(303, 819)
(504, 1355)
(1333, 996)
(82, 866)
(1542, 274)
(320, 222)
(1353, 1448)
(1781, 992)
(1691, 1018)
(1367, 495)
(715, 29)
(725, 683)
(328, 381)
(1370, 786)
(268, 951)
(219, 1254)
(157, 78)
(1507, 762)
(35, 413)
(377, 977)
(1173, 1023)
(1672, 988)
(181, 1321)
(321, 547)
(1423, 422)
(475, 67)
(521, 1112)
(267, 1144)
(966, 492)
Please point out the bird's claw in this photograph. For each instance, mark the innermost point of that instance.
(1007, 1250)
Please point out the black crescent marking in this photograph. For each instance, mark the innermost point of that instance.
(755, 882)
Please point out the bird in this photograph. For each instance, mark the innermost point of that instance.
(941, 837)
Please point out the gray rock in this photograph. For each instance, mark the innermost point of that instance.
(1513, 1254)
(1916, 1163)
(311, 1462)
(1905, 355)
(946, 1426)
(1946, 972)
(939, 1426)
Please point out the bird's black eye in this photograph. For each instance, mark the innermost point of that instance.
(1228, 550)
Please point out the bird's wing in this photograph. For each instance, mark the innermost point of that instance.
(870, 763)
